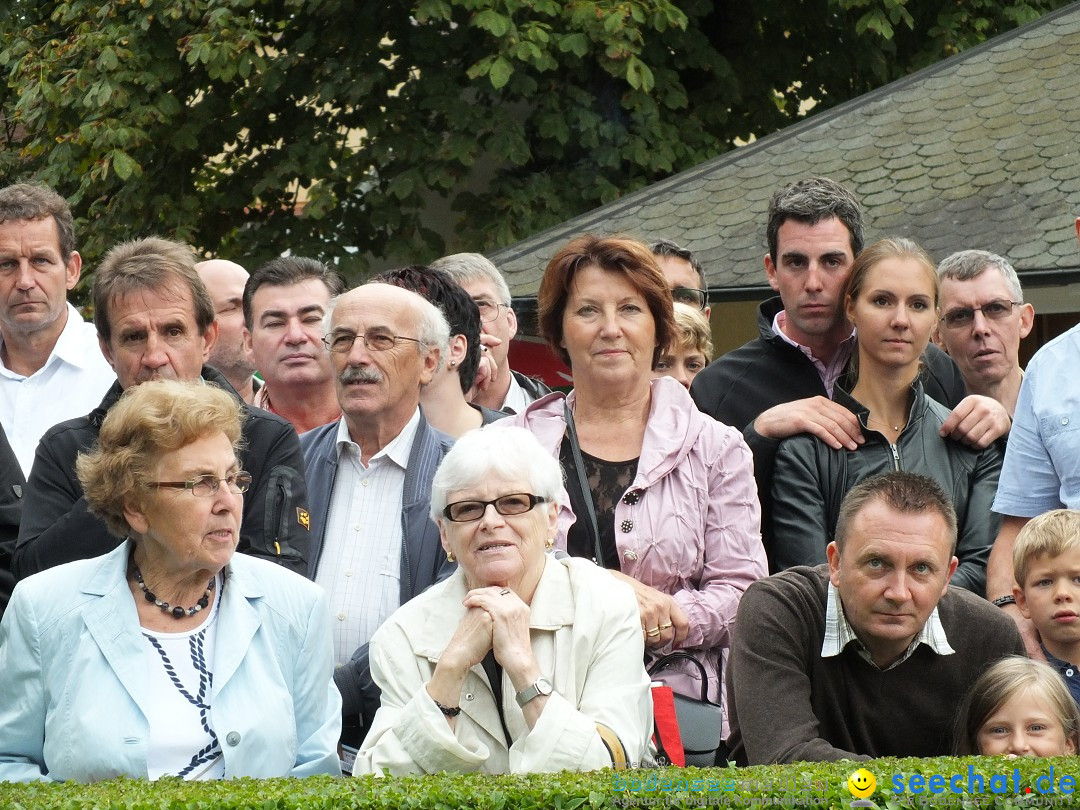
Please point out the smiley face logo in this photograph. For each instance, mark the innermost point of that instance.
(861, 783)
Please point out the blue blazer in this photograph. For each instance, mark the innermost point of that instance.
(423, 562)
(74, 688)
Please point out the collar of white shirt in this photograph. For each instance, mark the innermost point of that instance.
(839, 633)
(397, 449)
(72, 346)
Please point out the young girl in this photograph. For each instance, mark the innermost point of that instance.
(1020, 708)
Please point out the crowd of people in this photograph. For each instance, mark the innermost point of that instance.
(859, 526)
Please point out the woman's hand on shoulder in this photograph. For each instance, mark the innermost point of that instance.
(510, 626)
(659, 612)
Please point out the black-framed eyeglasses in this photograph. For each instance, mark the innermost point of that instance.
(517, 503)
(342, 342)
(489, 310)
(690, 296)
(204, 486)
(992, 310)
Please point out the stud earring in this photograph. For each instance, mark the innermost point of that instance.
(550, 543)
(449, 556)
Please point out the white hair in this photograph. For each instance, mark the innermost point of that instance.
(510, 453)
(466, 267)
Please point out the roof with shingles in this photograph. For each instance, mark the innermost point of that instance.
(981, 150)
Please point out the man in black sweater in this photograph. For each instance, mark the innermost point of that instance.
(781, 383)
(870, 655)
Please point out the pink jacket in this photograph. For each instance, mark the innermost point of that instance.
(694, 529)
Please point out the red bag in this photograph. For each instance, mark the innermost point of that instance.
(669, 747)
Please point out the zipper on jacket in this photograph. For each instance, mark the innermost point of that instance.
(895, 457)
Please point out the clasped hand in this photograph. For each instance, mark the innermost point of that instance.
(495, 619)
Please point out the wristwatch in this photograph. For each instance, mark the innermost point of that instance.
(1002, 601)
(541, 687)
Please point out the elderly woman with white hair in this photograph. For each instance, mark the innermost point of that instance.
(521, 661)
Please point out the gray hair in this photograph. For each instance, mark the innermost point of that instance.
(483, 454)
(965, 265)
(432, 329)
(666, 247)
(466, 267)
(810, 201)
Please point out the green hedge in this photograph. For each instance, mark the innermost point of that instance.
(801, 785)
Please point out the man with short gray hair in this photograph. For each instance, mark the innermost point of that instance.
(983, 319)
(369, 474)
(155, 321)
(505, 389)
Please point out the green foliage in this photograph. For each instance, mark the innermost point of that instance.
(213, 120)
(822, 784)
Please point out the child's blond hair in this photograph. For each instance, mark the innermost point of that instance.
(1049, 534)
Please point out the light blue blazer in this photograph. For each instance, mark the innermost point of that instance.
(73, 684)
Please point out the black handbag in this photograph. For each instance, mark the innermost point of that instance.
(700, 721)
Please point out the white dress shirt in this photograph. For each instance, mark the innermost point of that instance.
(71, 383)
(360, 564)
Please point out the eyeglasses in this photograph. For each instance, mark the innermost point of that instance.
(992, 310)
(489, 310)
(204, 486)
(342, 342)
(516, 504)
(691, 296)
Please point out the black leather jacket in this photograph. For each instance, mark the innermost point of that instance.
(810, 480)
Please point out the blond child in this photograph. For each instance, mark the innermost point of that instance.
(1019, 708)
(1046, 565)
(690, 350)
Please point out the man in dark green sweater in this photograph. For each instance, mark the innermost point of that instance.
(869, 655)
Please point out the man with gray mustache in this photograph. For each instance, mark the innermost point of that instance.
(369, 477)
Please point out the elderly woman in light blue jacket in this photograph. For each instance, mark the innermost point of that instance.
(672, 490)
(168, 655)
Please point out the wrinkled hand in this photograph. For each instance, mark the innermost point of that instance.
(829, 421)
(485, 372)
(471, 640)
(509, 627)
(977, 421)
(658, 611)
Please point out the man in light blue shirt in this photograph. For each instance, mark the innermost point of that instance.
(1042, 463)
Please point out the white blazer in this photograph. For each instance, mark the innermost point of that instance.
(73, 682)
(587, 640)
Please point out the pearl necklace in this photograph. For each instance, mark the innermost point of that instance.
(176, 612)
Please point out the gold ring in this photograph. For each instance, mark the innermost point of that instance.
(665, 626)
(504, 592)
(653, 633)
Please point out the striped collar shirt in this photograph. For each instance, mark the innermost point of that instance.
(360, 564)
(829, 372)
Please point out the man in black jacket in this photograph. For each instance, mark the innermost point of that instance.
(781, 383)
(155, 320)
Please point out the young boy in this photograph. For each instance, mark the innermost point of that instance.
(1046, 564)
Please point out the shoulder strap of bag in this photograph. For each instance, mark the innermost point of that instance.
(667, 660)
(583, 483)
(614, 747)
